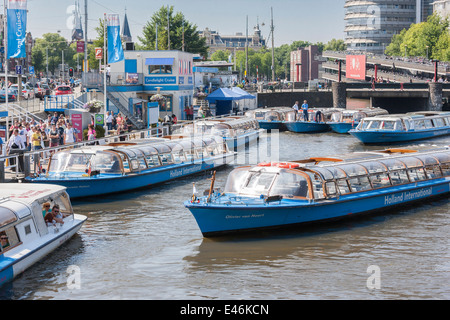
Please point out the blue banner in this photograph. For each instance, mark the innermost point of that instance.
(17, 28)
(115, 49)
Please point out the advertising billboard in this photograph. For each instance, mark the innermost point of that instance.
(356, 67)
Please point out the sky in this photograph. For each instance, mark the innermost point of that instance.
(308, 20)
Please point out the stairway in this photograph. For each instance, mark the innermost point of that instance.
(115, 98)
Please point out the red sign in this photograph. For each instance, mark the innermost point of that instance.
(80, 46)
(98, 53)
(77, 123)
(356, 67)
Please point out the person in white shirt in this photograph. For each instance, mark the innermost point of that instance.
(16, 145)
(69, 134)
(109, 120)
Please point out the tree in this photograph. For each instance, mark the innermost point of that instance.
(53, 44)
(422, 39)
(183, 34)
(335, 45)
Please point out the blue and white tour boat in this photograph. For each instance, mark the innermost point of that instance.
(342, 121)
(25, 236)
(317, 120)
(97, 170)
(275, 195)
(402, 127)
(270, 118)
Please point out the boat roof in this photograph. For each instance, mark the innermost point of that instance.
(410, 115)
(28, 192)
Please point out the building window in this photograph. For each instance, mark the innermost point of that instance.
(163, 69)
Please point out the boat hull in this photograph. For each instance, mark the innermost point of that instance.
(307, 127)
(272, 125)
(214, 219)
(102, 184)
(342, 127)
(373, 137)
(13, 264)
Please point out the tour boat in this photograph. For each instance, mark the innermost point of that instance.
(402, 127)
(275, 195)
(25, 236)
(344, 120)
(97, 170)
(269, 118)
(294, 120)
(236, 131)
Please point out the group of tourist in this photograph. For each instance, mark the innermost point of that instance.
(118, 122)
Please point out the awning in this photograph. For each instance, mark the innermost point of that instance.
(159, 61)
(136, 101)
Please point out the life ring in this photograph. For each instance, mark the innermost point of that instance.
(265, 164)
(287, 165)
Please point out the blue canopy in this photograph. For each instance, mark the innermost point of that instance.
(224, 94)
(243, 93)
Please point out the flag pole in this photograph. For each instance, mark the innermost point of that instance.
(104, 76)
(5, 36)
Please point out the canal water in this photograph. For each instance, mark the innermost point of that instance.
(146, 245)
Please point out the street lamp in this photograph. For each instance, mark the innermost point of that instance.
(427, 53)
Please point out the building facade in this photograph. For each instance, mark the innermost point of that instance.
(305, 64)
(442, 8)
(370, 25)
(239, 41)
(142, 74)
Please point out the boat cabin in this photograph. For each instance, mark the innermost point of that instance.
(270, 114)
(356, 115)
(134, 158)
(414, 121)
(22, 211)
(236, 127)
(324, 178)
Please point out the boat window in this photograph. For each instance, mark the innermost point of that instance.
(66, 161)
(419, 124)
(65, 207)
(142, 163)
(290, 184)
(393, 164)
(259, 183)
(126, 164)
(291, 116)
(363, 125)
(439, 122)
(327, 174)
(428, 160)
(337, 173)
(374, 124)
(152, 160)
(6, 217)
(343, 186)
(336, 117)
(353, 169)
(416, 174)
(406, 125)
(9, 239)
(433, 171)
(445, 167)
(442, 157)
(272, 116)
(236, 180)
(166, 158)
(388, 125)
(374, 167)
(428, 124)
(317, 185)
(331, 188)
(398, 177)
(359, 184)
(358, 116)
(447, 121)
(106, 162)
(412, 162)
(380, 180)
(399, 125)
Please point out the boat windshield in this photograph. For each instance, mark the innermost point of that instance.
(267, 183)
(272, 116)
(336, 117)
(106, 162)
(73, 162)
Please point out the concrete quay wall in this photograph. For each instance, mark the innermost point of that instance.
(322, 99)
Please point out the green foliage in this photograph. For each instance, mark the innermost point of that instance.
(54, 44)
(99, 130)
(179, 28)
(430, 37)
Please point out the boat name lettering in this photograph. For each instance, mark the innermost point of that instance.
(183, 171)
(407, 196)
(246, 216)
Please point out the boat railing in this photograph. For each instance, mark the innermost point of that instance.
(12, 164)
(34, 161)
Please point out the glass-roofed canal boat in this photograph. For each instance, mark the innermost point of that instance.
(274, 195)
(96, 170)
(269, 118)
(317, 120)
(342, 121)
(26, 236)
(402, 127)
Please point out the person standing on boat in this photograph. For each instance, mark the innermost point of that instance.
(305, 110)
(295, 106)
